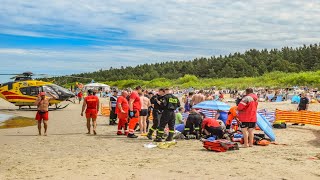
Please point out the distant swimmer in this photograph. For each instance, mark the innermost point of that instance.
(91, 105)
(42, 103)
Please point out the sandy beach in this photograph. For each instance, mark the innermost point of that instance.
(68, 153)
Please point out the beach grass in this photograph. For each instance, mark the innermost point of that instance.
(18, 122)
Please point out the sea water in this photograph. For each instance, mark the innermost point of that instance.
(4, 117)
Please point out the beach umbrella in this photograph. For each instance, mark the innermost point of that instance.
(212, 105)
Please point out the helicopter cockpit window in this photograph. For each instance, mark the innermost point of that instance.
(58, 89)
(49, 89)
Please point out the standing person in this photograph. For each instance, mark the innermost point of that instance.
(42, 115)
(80, 95)
(145, 104)
(135, 108)
(303, 105)
(91, 105)
(221, 96)
(198, 98)
(170, 104)
(122, 112)
(150, 95)
(156, 102)
(247, 115)
(208, 96)
(188, 102)
(112, 105)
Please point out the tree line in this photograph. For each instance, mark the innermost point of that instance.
(251, 63)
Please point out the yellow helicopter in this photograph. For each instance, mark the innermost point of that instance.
(24, 90)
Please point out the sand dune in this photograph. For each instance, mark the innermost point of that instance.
(68, 153)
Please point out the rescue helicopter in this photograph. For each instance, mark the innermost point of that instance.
(24, 90)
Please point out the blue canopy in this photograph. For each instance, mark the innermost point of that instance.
(213, 105)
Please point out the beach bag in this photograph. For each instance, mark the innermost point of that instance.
(220, 145)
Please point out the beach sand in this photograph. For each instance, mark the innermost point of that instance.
(68, 153)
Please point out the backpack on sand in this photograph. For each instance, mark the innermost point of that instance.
(220, 145)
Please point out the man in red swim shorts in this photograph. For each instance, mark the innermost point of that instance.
(91, 105)
(42, 103)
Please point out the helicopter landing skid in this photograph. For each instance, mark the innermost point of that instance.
(61, 107)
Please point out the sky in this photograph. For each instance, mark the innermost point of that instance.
(64, 37)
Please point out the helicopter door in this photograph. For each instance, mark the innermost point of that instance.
(10, 84)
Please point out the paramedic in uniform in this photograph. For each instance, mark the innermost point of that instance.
(156, 100)
(170, 104)
(135, 108)
(91, 105)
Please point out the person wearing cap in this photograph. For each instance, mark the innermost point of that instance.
(113, 105)
(42, 115)
(91, 105)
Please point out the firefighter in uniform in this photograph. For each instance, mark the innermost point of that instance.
(113, 105)
(193, 125)
(156, 101)
(170, 104)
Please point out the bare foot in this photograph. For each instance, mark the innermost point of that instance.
(94, 132)
(45, 134)
(39, 134)
(243, 146)
(88, 133)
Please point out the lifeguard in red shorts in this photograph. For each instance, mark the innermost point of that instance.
(122, 109)
(43, 110)
(135, 108)
(91, 104)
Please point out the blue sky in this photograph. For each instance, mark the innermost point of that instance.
(63, 37)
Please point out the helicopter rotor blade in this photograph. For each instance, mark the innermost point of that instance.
(9, 74)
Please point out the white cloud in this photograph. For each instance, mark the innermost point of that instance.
(159, 30)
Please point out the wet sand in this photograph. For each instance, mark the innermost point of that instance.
(68, 153)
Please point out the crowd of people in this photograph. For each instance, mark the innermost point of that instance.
(132, 109)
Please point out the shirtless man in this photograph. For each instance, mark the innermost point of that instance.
(198, 98)
(91, 105)
(145, 102)
(43, 111)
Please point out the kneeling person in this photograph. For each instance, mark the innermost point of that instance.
(193, 124)
(211, 127)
